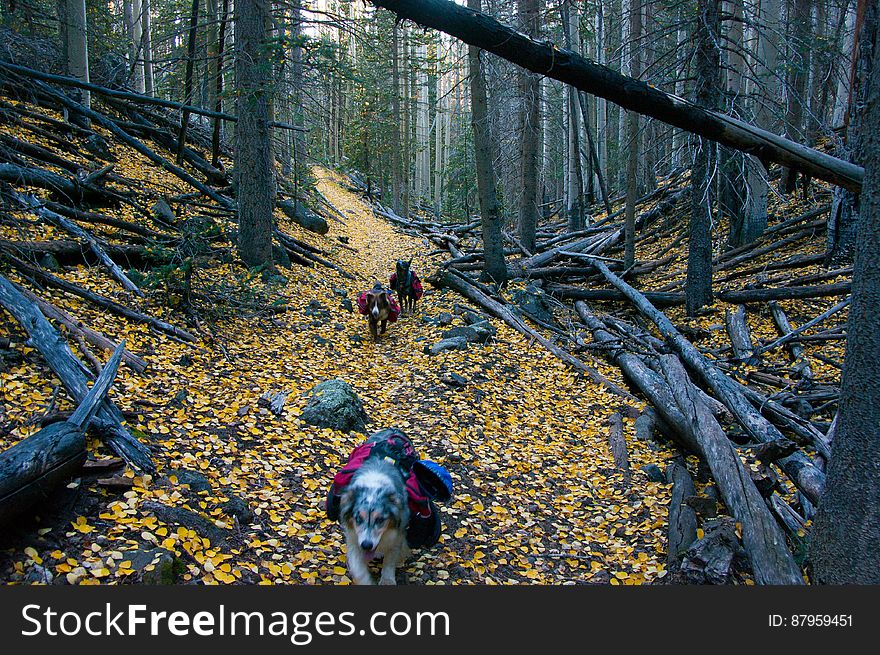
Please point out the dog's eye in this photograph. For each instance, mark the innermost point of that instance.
(359, 518)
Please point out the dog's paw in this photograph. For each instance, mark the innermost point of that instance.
(383, 581)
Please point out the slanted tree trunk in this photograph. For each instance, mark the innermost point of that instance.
(495, 267)
(530, 132)
(845, 545)
(707, 63)
(570, 67)
(254, 174)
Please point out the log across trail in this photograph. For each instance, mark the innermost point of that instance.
(544, 58)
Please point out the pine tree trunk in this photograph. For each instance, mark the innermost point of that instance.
(845, 206)
(254, 174)
(147, 47)
(188, 79)
(78, 52)
(218, 86)
(493, 246)
(632, 135)
(396, 173)
(530, 135)
(845, 545)
(575, 196)
(707, 68)
(798, 67)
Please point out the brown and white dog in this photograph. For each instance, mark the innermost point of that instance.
(380, 307)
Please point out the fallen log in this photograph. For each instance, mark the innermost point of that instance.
(661, 299)
(129, 140)
(31, 469)
(764, 542)
(802, 364)
(784, 293)
(806, 326)
(647, 381)
(799, 468)
(448, 279)
(682, 518)
(292, 244)
(96, 299)
(77, 327)
(544, 58)
(37, 177)
(740, 338)
(73, 374)
(56, 219)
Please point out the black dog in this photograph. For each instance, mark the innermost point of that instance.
(406, 283)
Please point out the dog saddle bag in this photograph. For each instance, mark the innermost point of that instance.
(415, 283)
(393, 310)
(393, 445)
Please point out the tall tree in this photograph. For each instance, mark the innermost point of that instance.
(254, 174)
(396, 163)
(530, 132)
(842, 222)
(632, 135)
(147, 47)
(845, 546)
(798, 72)
(495, 268)
(188, 78)
(78, 49)
(707, 65)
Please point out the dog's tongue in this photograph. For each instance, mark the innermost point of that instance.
(370, 554)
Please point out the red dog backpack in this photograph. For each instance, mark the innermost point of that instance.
(393, 444)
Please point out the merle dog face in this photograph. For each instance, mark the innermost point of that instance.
(373, 504)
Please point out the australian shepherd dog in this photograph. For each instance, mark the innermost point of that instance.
(374, 514)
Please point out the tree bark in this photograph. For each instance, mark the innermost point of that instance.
(530, 132)
(254, 172)
(846, 534)
(698, 287)
(493, 245)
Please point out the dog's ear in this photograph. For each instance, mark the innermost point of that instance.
(346, 504)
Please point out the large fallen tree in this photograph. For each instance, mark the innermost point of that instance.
(545, 58)
(73, 374)
(31, 469)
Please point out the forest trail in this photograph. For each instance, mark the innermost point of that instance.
(537, 499)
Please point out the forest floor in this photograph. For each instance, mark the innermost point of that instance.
(537, 498)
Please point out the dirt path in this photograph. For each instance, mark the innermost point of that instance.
(537, 499)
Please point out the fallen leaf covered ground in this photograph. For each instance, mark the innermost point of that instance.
(537, 499)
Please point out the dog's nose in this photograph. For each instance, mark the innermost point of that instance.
(366, 544)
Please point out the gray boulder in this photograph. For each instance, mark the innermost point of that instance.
(334, 404)
(454, 343)
(532, 303)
